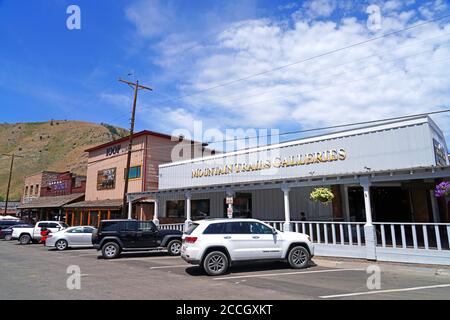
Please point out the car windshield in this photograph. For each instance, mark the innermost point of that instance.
(64, 225)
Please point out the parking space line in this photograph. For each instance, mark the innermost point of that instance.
(384, 291)
(285, 274)
(142, 259)
(87, 255)
(178, 266)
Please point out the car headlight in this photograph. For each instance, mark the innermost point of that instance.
(308, 237)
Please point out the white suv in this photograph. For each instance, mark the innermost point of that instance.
(218, 243)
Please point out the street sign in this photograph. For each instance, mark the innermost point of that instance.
(229, 200)
(230, 213)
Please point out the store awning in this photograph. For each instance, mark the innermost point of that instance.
(95, 205)
(52, 202)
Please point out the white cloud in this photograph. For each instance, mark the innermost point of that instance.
(316, 9)
(398, 75)
(321, 92)
(151, 18)
(287, 6)
(392, 5)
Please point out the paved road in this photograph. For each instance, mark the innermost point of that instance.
(35, 272)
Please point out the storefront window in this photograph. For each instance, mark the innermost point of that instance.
(200, 209)
(242, 206)
(94, 218)
(135, 172)
(116, 214)
(76, 219)
(84, 221)
(175, 209)
(69, 217)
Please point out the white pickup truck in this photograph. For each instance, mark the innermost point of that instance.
(28, 235)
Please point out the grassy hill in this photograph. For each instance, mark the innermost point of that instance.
(56, 145)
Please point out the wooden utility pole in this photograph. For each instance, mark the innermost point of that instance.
(136, 86)
(9, 179)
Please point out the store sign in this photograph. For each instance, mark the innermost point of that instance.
(439, 153)
(58, 185)
(230, 213)
(291, 161)
(106, 179)
(113, 150)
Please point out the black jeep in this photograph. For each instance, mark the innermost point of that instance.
(115, 236)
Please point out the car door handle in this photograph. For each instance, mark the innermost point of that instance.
(255, 237)
(227, 237)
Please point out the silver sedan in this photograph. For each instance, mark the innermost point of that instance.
(73, 237)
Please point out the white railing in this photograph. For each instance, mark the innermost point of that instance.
(172, 226)
(327, 232)
(398, 242)
(427, 236)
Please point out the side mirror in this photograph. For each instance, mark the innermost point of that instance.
(274, 231)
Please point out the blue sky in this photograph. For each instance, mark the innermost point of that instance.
(182, 47)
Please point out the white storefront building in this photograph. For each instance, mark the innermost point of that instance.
(382, 176)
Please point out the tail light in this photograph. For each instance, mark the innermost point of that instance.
(190, 239)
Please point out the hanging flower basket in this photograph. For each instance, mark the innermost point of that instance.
(442, 189)
(323, 195)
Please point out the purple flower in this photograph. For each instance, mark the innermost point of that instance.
(442, 189)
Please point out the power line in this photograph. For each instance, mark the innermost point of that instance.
(315, 129)
(340, 84)
(136, 87)
(335, 75)
(308, 59)
(9, 178)
(395, 70)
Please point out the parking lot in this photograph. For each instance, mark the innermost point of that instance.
(35, 272)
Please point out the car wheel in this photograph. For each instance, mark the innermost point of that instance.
(24, 239)
(8, 237)
(215, 263)
(61, 245)
(174, 247)
(110, 250)
(298, 257)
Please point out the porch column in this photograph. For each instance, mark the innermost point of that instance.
(287, 211)
(130, 209)
(188, 221)
(435, 207)
(155, 213)
(346, 203)
(369, 229)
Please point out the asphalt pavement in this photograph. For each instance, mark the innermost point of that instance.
(35, 272)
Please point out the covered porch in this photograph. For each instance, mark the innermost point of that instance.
(47, 208)
(90, 213)
(362, 222)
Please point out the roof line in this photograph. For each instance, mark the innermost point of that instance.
(138, 134)
(311, 139)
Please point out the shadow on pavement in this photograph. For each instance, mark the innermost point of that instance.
(145, 254)
(249, 267)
